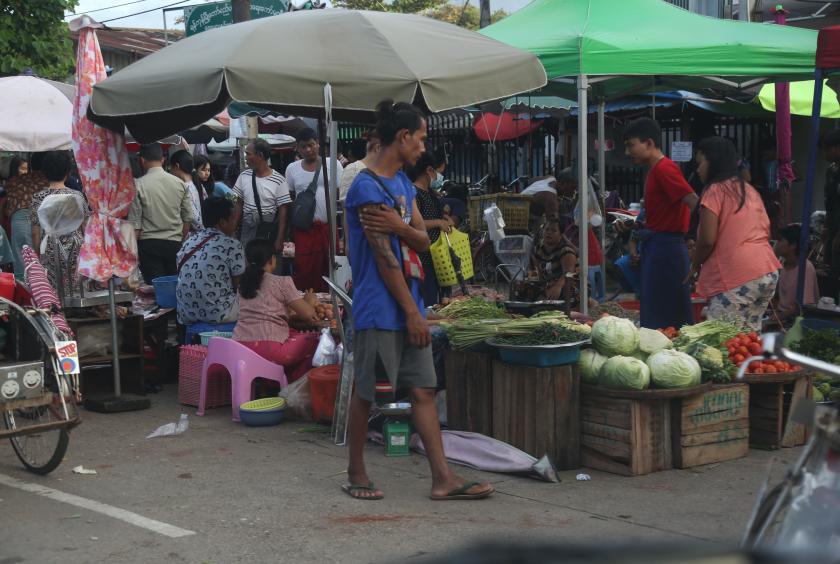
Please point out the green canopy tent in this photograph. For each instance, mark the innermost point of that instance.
(616, 48)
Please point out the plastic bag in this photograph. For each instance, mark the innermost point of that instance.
(594, 206)
(298, 399)
(60, 214)
(172, 429)
(325, 353)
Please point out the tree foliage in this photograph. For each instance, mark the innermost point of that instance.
(443, 10)
(468, 17)
(33, 34)
(401, 6)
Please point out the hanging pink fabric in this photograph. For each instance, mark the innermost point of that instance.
(784, 153)
(109, 248)
(43, 294)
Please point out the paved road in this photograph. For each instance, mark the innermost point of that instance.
(242, 494)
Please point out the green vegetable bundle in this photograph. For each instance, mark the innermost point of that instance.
(546, 334)
(473, 308)
(712, 333)
(823, 345)
(715, 366)
(467, 333)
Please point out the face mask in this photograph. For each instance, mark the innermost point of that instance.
(437, 183)
(596, 220)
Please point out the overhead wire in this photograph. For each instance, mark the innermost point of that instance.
(103, 9)
(146, 11)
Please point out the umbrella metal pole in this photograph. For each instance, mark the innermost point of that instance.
(583, 194)
(602, 179)
(809, 184)
(331, 195)
(115, 351)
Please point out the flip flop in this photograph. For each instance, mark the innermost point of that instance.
(352, 489)
(460, 493)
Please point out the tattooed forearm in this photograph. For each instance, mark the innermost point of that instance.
(381, 245)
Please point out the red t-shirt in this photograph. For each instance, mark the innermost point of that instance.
(594, 249)
(664, 188)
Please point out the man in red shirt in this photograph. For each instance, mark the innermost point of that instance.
(669, 200)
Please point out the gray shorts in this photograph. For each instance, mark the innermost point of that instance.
(376, 351)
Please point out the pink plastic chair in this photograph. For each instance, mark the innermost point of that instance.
(244, 365)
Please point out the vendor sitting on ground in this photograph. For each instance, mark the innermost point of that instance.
(209, 264)
(266, 302)
(553, 256)
(787, 249)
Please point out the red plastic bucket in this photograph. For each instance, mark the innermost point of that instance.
(7, 285)
(323, 384)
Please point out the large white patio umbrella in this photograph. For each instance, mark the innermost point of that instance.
(36, 114)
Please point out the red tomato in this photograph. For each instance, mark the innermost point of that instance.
(754, 348)
(758, 371)
(753, 336)
(738, 359)
(744, 351)
(731, 349)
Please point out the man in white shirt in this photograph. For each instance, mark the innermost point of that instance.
(312, 246)
(272, 190)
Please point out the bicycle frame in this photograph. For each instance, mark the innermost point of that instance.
(826, 432)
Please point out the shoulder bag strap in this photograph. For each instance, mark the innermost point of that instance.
(378, 180)
(314, 184)
(256, 195)
(194, 250)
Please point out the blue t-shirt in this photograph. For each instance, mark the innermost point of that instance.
(373, 306)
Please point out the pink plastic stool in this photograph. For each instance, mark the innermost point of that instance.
(244, 365)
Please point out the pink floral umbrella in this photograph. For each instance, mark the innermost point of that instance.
(109, 248)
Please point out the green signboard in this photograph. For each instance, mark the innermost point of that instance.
(219, 14)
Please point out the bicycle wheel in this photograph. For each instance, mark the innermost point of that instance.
(40, 452)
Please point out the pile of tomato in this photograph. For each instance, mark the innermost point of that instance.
(745, 345)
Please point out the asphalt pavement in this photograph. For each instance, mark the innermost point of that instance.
(226, 493)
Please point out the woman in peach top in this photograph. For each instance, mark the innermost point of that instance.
(738, 270)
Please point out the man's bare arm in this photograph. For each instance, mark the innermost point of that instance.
(390, 269)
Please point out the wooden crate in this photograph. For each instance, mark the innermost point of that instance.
(711, 427)
(771, 400)
(537, 410)
(469, 391)
(630, 437)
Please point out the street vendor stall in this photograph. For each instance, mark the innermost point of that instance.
(616, 48)
(402, 57)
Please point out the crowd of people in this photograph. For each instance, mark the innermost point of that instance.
(224, 243)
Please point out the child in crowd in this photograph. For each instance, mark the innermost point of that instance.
(787, 249)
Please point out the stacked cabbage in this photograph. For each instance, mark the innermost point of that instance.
(627, 358)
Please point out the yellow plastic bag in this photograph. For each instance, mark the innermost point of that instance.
(444, 270)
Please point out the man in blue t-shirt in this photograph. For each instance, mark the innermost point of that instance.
(391, 336)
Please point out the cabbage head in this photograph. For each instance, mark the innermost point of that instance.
(651, 341)
(673, 369)
(624, 373)
(640, 354)
(590, 364)
(615, 336)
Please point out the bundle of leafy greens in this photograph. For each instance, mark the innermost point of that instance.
(712, 333)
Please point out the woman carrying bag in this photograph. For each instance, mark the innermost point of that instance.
(427, 177)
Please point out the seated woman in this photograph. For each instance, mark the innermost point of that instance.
(266, 302)
(787, 249)
(553, 256)
(209, 265)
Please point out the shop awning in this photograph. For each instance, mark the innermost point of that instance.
(802, 99)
